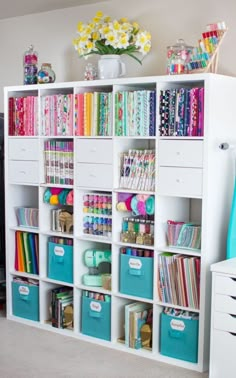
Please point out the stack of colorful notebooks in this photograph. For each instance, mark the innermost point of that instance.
(26, 252)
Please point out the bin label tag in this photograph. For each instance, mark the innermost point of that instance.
(95, 306)
(59, 251)
(178, 325)
(24, 290)
(135, 263)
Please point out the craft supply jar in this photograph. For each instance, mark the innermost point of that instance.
(30, 65)
(178, 56)
(46, 74)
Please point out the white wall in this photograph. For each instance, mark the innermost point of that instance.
(52, 34)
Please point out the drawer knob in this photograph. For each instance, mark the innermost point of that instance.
(179, 181)
(178, 153)
(23, 149)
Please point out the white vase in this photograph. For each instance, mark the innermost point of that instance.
(110, 67)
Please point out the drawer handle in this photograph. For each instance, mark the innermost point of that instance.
(93, 150)
(178, 153)
(91, 175)
(23, 149)
(23, 172)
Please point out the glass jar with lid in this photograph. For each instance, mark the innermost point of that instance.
(46, 74)
(30, 64)
(178, 56)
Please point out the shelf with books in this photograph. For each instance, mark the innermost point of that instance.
(178, 173)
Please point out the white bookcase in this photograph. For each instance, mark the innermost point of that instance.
(194, 182)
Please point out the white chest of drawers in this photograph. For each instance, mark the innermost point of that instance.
(223, 320)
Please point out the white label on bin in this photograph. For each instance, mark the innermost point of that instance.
(178, 325)
(135, 263)
(24, 290)
(59, 251)
(95, 306)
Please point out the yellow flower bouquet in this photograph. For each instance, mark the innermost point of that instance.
(103, 36)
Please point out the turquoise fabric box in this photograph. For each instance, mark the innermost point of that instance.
(25, 300)
(96, 318)
(60, 262)
(179, 338)
(136, 276)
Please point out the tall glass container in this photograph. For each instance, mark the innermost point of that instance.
(30, 64)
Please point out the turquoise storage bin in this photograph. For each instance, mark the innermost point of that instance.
(60, 262)
(136, 276)
(96, 318)
(179, 338)
(25, 300)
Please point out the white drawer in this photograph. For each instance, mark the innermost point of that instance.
(94, 175)
(94, 151)
(223, 361)
(225, 285)
(24, 172)
(181, 153)
(186, 182)
(225, 303)
(23, 149)
(224, 322)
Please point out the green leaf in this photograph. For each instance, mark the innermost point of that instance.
(134, 57)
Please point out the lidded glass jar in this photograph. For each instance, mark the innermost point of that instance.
(178, 56)
(30, 63)
(46, 74)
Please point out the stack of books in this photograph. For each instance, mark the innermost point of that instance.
(137, 314)
(62, 307)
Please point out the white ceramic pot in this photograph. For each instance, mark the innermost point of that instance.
(110, 67)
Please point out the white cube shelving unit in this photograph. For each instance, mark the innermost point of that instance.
(194, 181)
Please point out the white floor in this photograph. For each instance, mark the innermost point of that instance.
(27, 352)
